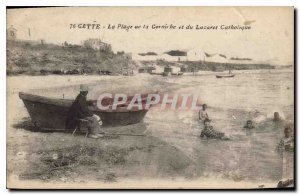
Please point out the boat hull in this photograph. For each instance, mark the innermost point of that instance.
(225, 76)
(51, 114)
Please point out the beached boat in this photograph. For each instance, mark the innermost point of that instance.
(225, 76)
(51, 113)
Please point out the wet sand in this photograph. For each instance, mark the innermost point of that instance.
(114, 159)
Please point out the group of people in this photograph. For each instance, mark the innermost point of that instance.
(285, 146)
(79, 111)
(209, 132)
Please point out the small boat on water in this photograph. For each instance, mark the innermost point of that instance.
(225, 76)
(177, 74)
(229, 75)
(51, 113)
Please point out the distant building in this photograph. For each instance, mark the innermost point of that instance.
(172, 58)
(195, 55)
(11, 33)
(148, 69)
(97, 44)
(192, 55)
(128, 56)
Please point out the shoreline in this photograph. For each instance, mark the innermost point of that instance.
(198, 73)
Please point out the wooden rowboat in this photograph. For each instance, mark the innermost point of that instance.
(51, 113)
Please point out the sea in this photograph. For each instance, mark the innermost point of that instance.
(249, 154)
(250, 95)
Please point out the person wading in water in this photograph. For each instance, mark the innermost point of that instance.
(249, 125)
(203, 113)
(210, 133)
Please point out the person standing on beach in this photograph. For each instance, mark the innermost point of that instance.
(286, 148)
(79, 110)
(203, 113)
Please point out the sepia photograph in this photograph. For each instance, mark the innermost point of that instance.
(150, 98)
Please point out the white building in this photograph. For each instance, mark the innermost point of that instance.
(11, 33)
(97, 44)
(163, 56)
(195, 55)
(172, 58)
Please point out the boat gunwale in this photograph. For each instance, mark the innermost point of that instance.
(67, 103)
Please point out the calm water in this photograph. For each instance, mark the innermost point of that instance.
(250, 154)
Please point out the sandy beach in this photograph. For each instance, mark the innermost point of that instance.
(165, 157)
(124, 156)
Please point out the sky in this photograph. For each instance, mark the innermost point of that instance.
(271, 37)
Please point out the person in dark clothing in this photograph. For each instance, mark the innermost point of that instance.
(79, 110)
(210, 133)
(276, 117)
(249, 125)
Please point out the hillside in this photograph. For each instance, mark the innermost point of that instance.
(24, 57)
(31, 58)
